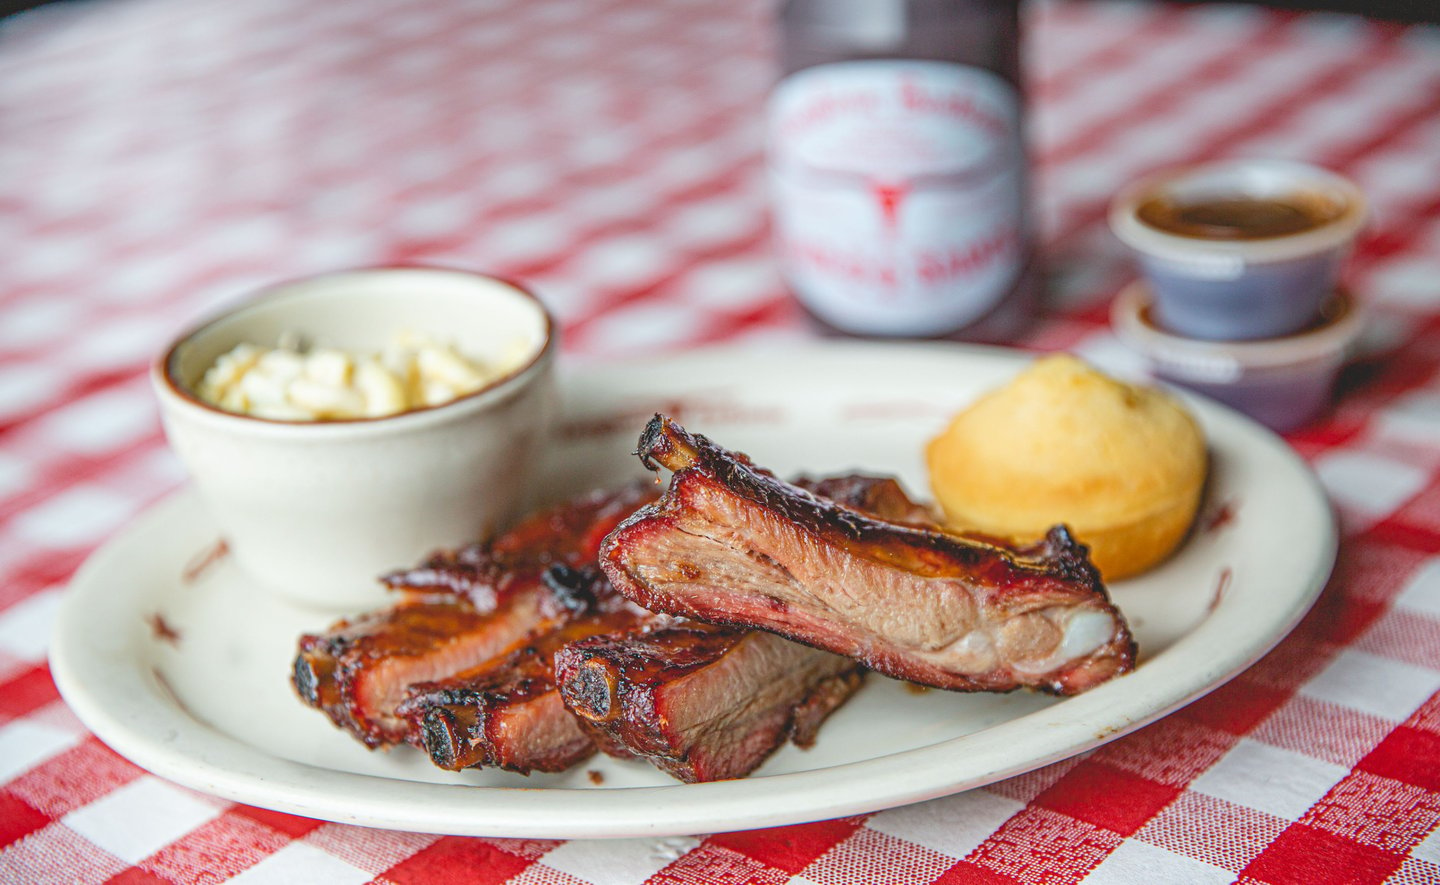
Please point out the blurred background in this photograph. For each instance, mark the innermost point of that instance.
(1397, 10)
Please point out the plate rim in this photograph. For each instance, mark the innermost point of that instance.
(196, 755)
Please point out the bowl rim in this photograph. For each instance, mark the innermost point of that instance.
(171, 390)
(1150, 241)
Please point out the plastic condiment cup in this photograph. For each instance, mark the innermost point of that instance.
(317, 510)
(1283, 382)
(1237, 289)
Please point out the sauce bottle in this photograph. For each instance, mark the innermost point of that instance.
(897, 168)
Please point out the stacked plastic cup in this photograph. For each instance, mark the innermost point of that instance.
(1239, 297)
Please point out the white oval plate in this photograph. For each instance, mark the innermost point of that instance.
(173, 659)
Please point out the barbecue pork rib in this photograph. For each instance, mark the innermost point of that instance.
(357, 672)
(702, 702)
(507, 713)
(459, 610)
(730, 544)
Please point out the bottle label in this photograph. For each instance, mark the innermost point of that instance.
(898, 193)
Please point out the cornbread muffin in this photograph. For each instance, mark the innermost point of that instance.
(1121, 465)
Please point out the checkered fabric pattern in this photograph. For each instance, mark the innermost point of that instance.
(160, 158)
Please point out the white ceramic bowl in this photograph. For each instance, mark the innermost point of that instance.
(318, 510)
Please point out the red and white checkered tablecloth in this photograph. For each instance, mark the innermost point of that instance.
(160, 158)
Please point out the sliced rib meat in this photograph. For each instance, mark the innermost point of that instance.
(358, 671)
(703, 702)
(731, 544)
(461, 610)
(507, 712)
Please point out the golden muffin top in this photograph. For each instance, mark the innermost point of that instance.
(1063, 442)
